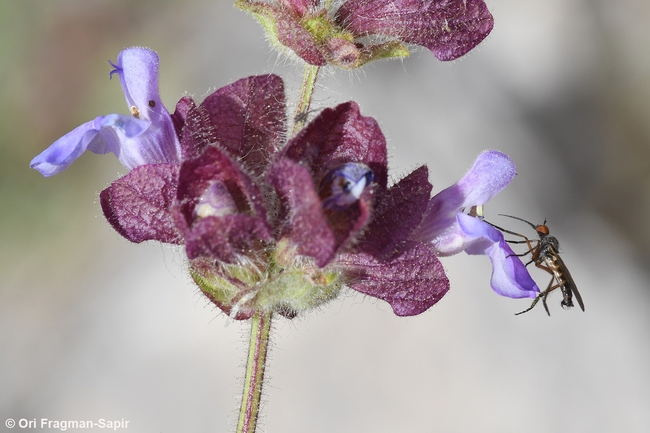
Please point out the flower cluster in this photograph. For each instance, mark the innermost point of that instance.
(276, 224)
(359, 31)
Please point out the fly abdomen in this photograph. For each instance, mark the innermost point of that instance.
(555, 265)
(567, 302)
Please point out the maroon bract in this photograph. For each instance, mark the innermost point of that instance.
(359, 31)
(449, 28)
(137, 205)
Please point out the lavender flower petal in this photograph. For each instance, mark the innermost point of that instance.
(138, 72)
(134, 142)
(66, 149)
(509, 275)
(146, 137)
(492, 171)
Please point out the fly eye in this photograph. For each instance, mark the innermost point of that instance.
(343, 186)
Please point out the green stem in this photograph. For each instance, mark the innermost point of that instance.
(255, 366)
(261, 321)
(306, 92)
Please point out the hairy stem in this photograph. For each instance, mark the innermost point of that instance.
(306, 92)
(261, 321)
(255, 366)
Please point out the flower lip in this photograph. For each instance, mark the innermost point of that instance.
(491, 173)
(509, 275)
(66, 149)
(137, 69)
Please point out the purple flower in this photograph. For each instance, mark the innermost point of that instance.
(363, 30)
(449, 230)
(147, 136)
(269, 224)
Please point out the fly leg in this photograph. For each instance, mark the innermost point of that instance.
(543, 295)
(532, 250)
(546, 293)
(535, 301)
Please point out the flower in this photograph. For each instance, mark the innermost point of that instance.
(449, 230)
(147, 136)
(282, 226)
(363, 30)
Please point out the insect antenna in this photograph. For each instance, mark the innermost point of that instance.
(509, 232)
(521, 219)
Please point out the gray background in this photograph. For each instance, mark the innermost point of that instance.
(92, 326)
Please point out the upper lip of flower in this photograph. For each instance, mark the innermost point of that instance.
(492, 172)
(146, 136)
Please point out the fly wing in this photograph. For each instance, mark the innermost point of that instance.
(569, 284)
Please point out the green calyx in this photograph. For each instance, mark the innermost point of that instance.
(320, 40)
(322, 29)
(287, 283)
(265, 14)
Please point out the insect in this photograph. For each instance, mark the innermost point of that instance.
(545, 254)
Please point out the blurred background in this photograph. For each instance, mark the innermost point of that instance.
(92, 326)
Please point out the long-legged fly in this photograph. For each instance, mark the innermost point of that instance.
(545, 254)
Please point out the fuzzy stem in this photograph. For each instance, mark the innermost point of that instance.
(255, 366)
(306, 92)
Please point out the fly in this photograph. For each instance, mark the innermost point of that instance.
(545, 254)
